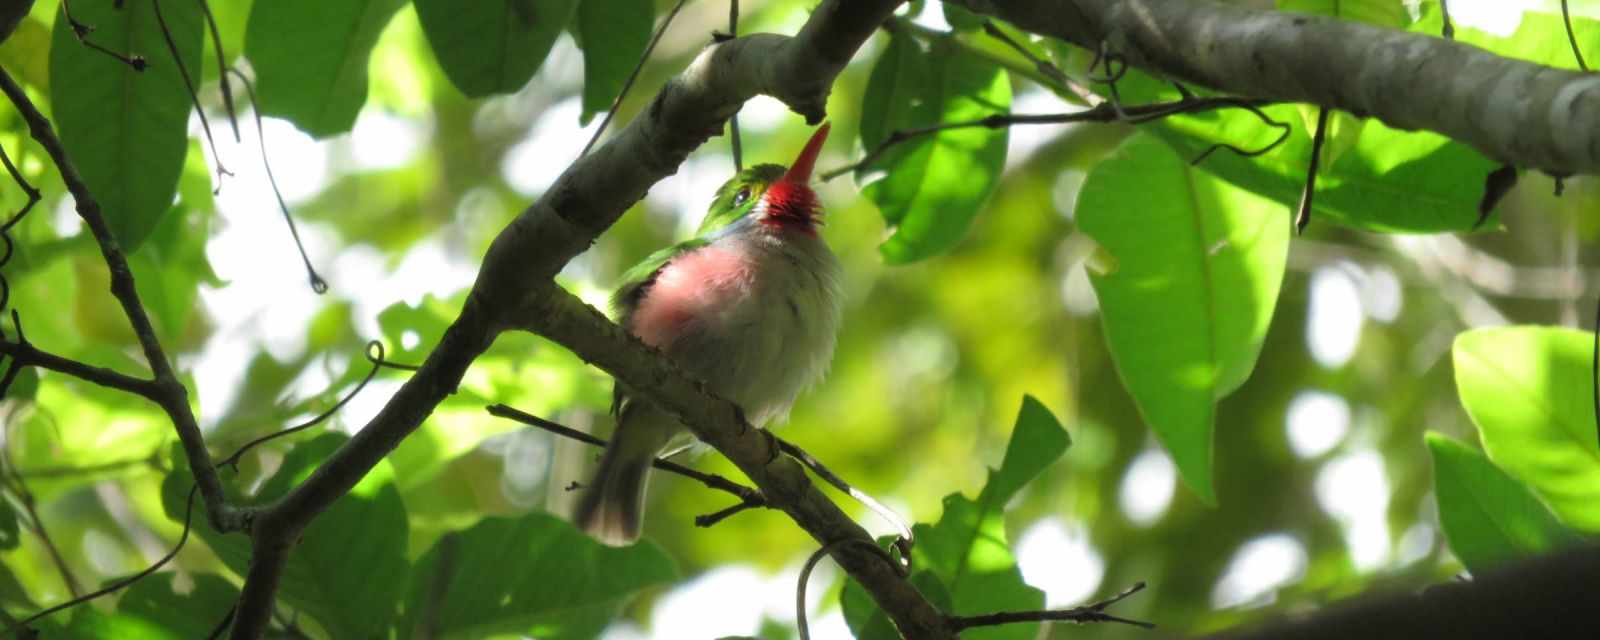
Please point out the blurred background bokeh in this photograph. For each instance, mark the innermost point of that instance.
(1323, 483)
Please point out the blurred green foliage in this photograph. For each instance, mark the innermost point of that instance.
(1155, 310)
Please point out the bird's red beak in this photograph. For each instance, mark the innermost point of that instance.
(800, 171)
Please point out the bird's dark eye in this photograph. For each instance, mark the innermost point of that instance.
(741, 197)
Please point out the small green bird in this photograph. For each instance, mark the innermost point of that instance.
(751, 306)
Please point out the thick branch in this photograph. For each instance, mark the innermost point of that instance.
(168, 391)
(561, 317)
(583, 202)
(1515, 112)
(1549, 597)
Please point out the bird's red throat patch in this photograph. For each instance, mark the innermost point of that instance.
(791, 206)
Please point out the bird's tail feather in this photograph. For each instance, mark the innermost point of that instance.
(612, 505)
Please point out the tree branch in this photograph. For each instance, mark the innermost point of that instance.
(563, 318)
(28, 355)
(1515, 112)
(166, 390)
(587, 198)
(1547, 597)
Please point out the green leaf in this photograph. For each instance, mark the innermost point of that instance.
(125, 130)
(493, 46)
(1373, 178)
(967, 550)
(614, 33)
(1384, 13)
(534, 575)
(1197, 267)
(933, 185)
(1487, 516)
(1541, 36)
(1528, 390)
(310, 58)
(960, 18)
(349, 569)
(868, 622)
(153, 601)
(169, 269)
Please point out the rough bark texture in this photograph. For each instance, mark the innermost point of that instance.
(1515, 112)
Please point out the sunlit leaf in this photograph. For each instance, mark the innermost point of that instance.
(1541, 35)
(310, 58)
(126, 130)
(1528, 390)
(534, 575)
(493, 46)
(1488, 517)
(1198, 266)
(1384, 13)
(932, 186)
(613, 34)
(967, 551)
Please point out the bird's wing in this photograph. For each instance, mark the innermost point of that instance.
(636, 283)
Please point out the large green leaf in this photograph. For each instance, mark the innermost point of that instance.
(966, 552)
(534, 575)
(1528, 390)
(125, 130)
(1487, 516)
(1197, 265)
(349, 569)
(310, 58)
(932, 186)
(194, 614)
(493, 46)
(614, 34)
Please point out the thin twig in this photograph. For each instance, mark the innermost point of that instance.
(188, 512)
(188, 84)
(633, 75)
(906, 538)
(1303, 215)
(1449, 30)
(1572, 38)
(222, 60)
(378, 362)
(25, 353)
(1079, 615)
(805, 576)
(1045, 67)
(749, 497)
(318, 285)
(18, 485)
(5, 231)
(1103, 112)
(81, 31)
